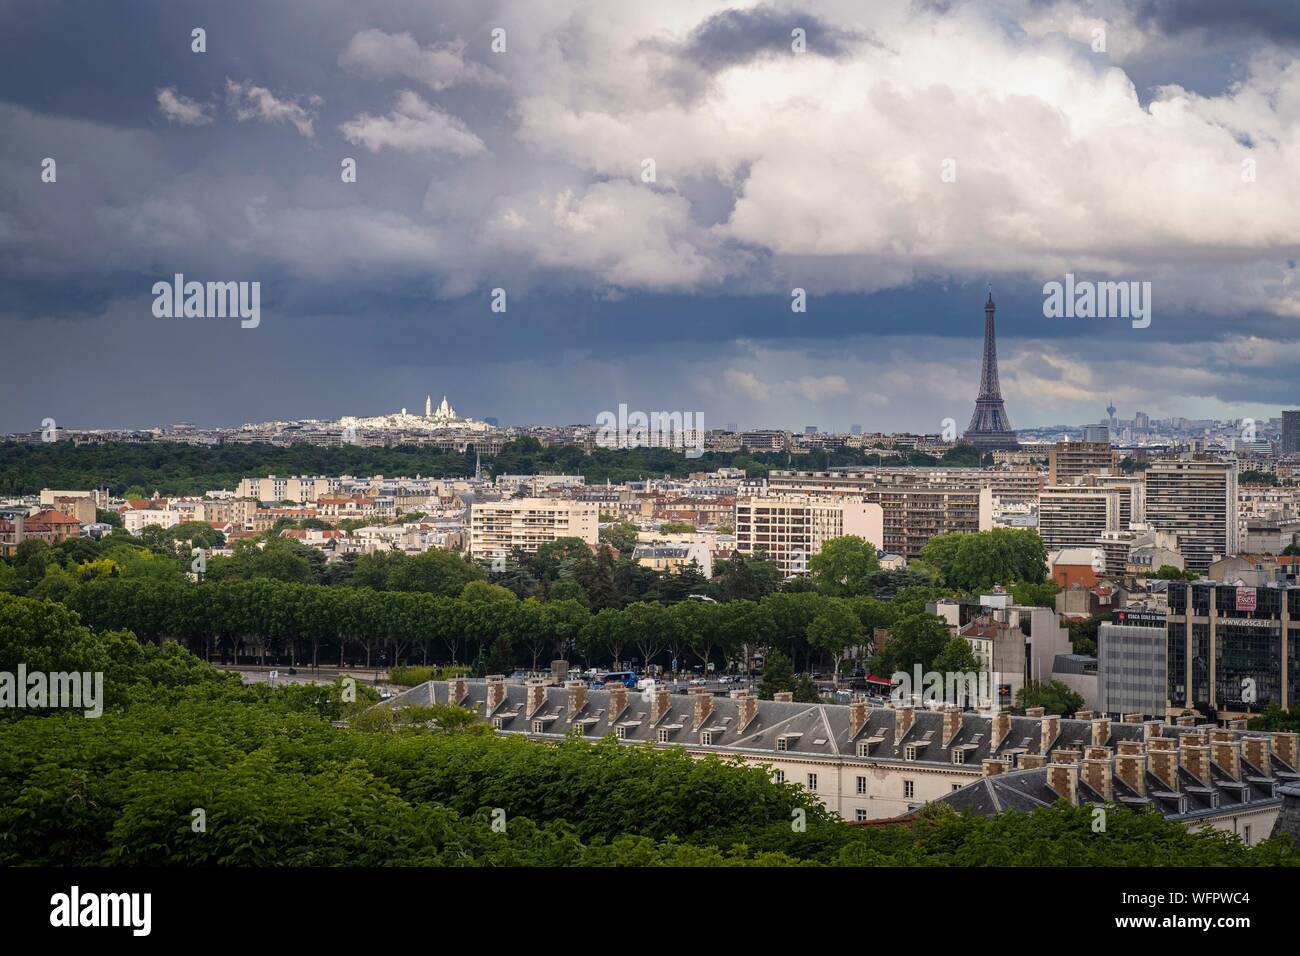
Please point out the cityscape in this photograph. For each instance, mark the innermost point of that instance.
(528, 437)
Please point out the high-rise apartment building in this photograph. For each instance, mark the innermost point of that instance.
(1131, 671)
(1075, 516)
(1069, 460)
(498, 527)
(1195, 498)
(1290, 433)
(791, 529)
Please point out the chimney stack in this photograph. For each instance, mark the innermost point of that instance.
(1097, 772)
(1032, 761)
(1255, 749)
(1085, 715)
(1132, 718)
(1132, 769)
(746, 709)
(577, 694)
(1195, 759)
(1035, 711)
(1227, 753)
(1100, 731)
(1186, 720)
(1284, 745)
(783, 697)
(991, 767)
(1162, 760)
(999, 729)
(1151, 729)
(1049, 730)
(701, 706)
(951, 723)
(858, 712)
(617, 702)
(1064, 779)
(536, 695)
(904, 717)
(496, 692)
(658, 704)
(457, 690)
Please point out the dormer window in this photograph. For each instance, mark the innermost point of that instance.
(909, 752)
(782, 744)
(864, 749)
(622, 733)
(706, 738)
(498, 723)
(663, 736)
(538, 727)
(959, 756)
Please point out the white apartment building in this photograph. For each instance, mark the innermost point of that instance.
(498, 527)
(137, 519)
(791, 529)
(1196, 499)
(303, 490)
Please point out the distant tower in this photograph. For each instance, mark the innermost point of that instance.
(989, 428)
(428, 406)
(1110, 415)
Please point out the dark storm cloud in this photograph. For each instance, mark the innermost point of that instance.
(1276, 20)
(736, 36)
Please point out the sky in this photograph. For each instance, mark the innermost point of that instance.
(648, 184)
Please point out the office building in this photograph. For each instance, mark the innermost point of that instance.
(1131, 654)
(1290, 433)
(1069, 460)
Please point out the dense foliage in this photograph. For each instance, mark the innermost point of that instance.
(175, 469)
(189, 768)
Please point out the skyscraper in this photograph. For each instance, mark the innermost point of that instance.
(989, 428)
(1290, 433)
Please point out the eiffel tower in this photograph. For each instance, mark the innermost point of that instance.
(989, 428)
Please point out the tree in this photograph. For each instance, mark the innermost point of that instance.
(957, 658)
(973, 561)
(778, 675)
(916, 639)
(1054, 697)
(1035, 595)
(621, 537)
(1167, 572)
(845, 566)
(836, 628)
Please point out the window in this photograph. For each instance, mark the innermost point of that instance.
(909, 752)
(859, 814)
(538, 726)
(959, 756)
(956, 786)
(812, 781)
(1246, 835)
(663, 736)
(909, 789)
(862, 785)
(622, 733)
(781, 744)
(864, 749)
(779, 776)
(498, 723)
(706, 738)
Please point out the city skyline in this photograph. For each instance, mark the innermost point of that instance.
(1154, 152)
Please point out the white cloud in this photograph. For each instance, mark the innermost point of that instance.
(747, 384)
(438, 66)
(182, 109)
(413, 126)
(247, 100)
